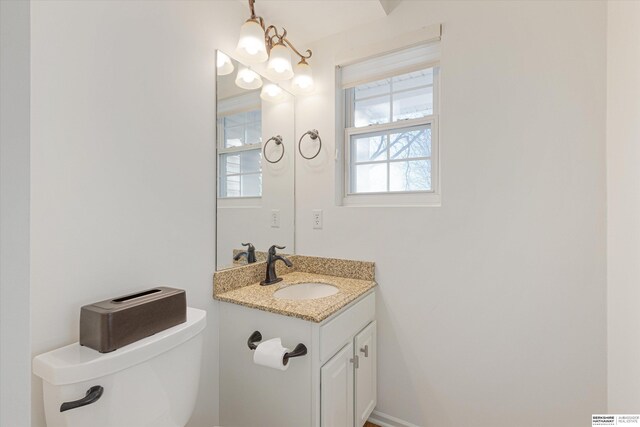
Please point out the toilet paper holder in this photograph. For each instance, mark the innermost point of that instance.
(300, 349)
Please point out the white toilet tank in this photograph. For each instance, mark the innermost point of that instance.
(150, 383)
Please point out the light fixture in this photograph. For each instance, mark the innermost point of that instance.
(251, 47)
(279, 65)
(259, 42)
(248, 79)
(272, 92)
(303, 79)
(224, 64)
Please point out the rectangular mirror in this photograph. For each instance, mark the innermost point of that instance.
(255, 164)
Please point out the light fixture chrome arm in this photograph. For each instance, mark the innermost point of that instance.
(281, 38)
(302, 57)
(269, 38)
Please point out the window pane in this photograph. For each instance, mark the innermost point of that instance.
(254, 134)
(254, 116)
(241, 162)
(410, 143)
(369, 148)
(242, 129)
(413, 80)
(376, 88)
(234, 168)
(235, 120)
(414, 175)
(251, 185)
(230, 186)
(229, 163)
(399, 158)
(413, 104)
(250, 161)
(370, 178)
(372, 111)
(233, 136)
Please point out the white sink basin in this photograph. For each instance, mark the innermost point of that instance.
(306, 291)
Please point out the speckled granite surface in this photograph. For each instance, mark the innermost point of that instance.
(242, 285)
(363, 270)
(314, 310)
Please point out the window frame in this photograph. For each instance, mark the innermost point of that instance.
(430, 197)
(387, 128)
(222, 150)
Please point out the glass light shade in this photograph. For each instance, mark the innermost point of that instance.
(248, 79)
(272, 92)
(224, 64)
(251, 47)
(303, 79)
(279, 66)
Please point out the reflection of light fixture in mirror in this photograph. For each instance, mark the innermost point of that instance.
(251, 47)
(303, 78)
(259, 42)
(279, 66)
(248, 79)
(224, 64)
(272, 92)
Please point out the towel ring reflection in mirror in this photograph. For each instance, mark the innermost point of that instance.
(278, 141)
(313, 134)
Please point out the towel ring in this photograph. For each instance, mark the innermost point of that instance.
(278, 141)
(313, 134)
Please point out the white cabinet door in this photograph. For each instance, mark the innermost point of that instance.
(336, 396)
(366, 391)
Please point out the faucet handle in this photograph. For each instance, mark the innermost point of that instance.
(272, 249)
(251, 247)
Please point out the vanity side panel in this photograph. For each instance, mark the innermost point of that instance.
(252, 395)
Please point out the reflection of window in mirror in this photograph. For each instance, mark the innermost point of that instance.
(240, 146)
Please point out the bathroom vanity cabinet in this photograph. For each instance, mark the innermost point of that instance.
(333, 385)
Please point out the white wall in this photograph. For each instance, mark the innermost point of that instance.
(123, 176)
(15, 366)
(492, 308)
(623, 205)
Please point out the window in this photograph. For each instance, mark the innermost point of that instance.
(391, 138)
(240, 154)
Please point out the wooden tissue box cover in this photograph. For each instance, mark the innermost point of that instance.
(108, 325)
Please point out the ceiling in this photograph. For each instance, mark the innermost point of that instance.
(310, 20)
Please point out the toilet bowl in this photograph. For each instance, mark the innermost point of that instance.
(152, 382)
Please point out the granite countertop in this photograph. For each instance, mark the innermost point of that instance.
(352, 278)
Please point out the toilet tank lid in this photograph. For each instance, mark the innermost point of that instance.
(75, 363)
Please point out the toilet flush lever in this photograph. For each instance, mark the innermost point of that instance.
(93, 394)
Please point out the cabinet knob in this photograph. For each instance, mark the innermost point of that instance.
(365, 350)
(355, 362)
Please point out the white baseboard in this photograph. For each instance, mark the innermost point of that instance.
(385, 420)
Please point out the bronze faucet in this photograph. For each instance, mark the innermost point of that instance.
(250, 253)
(271, 276)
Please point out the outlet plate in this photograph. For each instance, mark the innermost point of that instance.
(275, 218)
(317, 219)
